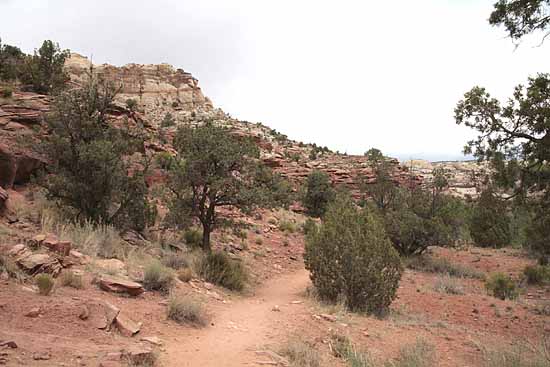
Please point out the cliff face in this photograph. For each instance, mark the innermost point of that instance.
(160, 90)
(150, 85)
(464, 177)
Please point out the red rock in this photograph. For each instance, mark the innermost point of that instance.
(126, 326)
(118, 285)
(33, 312)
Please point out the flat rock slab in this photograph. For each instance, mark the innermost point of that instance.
(101, 314)
(126, 326)
(118, 285)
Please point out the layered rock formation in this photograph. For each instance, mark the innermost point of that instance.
(160, 90)
(464, 177)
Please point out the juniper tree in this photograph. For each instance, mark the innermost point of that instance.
(91, 171)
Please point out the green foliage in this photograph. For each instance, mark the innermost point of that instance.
(219, 169)
(490, 223)
(512, 137)
(537, 234)
(131, 104)
(351, 258)
(168, 120)
(6, 92)
(193, 237)
(538, 274)
(44, 71)
(501, 286)
(45, 284)
(309, 226)
(440, 265)
(11, 59)
(185, 310)
(218, 268)
(521, 17)
(90, 165)
(319, 193)
(342, 347)
(383, 191)
(287, 226)
(157, 277)
(165, 160)
(272, 190)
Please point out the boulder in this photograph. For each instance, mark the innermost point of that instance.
(100, 314)
(118, 285)
(139, 355)
(126, 326)
(39, 263)
(52, 243)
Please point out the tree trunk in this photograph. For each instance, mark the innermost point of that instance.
(206, 238)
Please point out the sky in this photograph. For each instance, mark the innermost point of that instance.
(350, 75)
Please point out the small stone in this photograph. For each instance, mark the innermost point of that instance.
(84, 313)
(33, 312)
(328, 317)
(8, 343)
(276, 308)
(296, 302)
(153, 340)
(41, 356)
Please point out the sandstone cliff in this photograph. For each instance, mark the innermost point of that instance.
(159, 90)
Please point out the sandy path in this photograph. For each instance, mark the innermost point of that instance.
(245, 326)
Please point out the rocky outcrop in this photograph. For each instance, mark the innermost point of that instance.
(20, 119)
(464, 177)
(149, 85)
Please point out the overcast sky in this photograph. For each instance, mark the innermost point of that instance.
(347, 74)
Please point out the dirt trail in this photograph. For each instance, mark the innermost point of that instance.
(247, 325)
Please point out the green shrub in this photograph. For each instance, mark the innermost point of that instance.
(185, 310)
(538, 274)
(490, 223)
(259, 241)
(168, 120)
(71, 279)
(351, 258)
(176, 261)
(164, 160)
(501, 286)
(6, 92)
(218, 268)
(342, 347)
(45, 284)
(287, 226)
(431, 264)
(131, 104)
(537, 234)
(44, 71)
(193, 237)
(319, 193)
(90, 174)
(157, 277)
(301, 354)
(309, 226)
